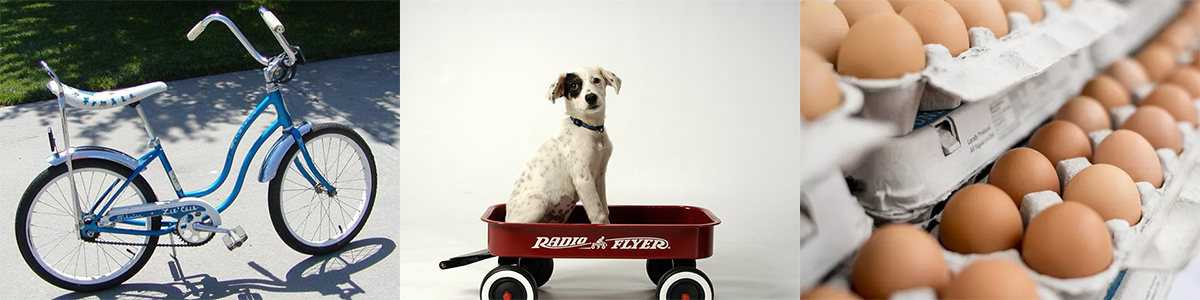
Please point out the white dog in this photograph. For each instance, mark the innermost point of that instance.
(571, 164)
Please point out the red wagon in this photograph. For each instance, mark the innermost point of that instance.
(669, 238)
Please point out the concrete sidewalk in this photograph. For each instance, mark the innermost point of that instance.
(196, 119)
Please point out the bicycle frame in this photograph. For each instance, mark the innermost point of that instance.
(282, 120)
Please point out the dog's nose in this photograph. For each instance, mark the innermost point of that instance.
(591, 99)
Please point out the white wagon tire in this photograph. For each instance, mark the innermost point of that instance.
(684, 283)
(508, 282)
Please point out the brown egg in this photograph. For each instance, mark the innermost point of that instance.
(822, 28)
(1031, 8)
(829, 292)
(938, 23)
(1108, 191)
(1188, 21)
(1187, 78)
(1157, 126)
(1022, 171)
(1067, 240)
(1158, 60)
(982, 13)
(1195, 62)
(1175, 100)
(898, 257)
(900, 5)
(1059, 140)
(1176, 38)
(856, 10)
(819, 93)
(1128, 72)
(991, 278)
(1064, 4)
(1108, 91)
(881, 46)
(1085, 112)
(1131, 152)
(980, 218)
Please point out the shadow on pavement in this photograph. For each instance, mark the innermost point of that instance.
(364, 90)
(326, 274)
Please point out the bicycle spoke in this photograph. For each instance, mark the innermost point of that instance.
(310, 203)
(293, 181)
(325, 219)
(50, 232)
(290, 198)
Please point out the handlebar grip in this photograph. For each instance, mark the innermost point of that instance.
(272, 22)
(196, 30)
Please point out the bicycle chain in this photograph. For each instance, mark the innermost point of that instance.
(97, 241)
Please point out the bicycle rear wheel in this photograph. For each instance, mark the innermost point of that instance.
(308, 219)
(52, 247)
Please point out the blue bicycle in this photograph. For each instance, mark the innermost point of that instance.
(91, 221)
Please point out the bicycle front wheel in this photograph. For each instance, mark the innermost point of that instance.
(54, 249)
(307, 217)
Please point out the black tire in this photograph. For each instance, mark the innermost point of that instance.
(275, 205)
(32, 192)
(540, 268)
(656, 268)
(508, 280)
(684, 283)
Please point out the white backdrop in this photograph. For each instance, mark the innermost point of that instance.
(707, 116)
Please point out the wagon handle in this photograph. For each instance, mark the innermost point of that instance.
(465, 259)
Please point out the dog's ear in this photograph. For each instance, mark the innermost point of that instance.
(557, 89)
(611, 78)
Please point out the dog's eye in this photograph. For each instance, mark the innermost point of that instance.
(596, 80)
(574, 86)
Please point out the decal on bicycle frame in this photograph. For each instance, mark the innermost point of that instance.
(174, 212)
(580, 242)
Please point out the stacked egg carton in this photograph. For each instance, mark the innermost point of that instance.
(1159, 243)
(833, 225)
(994, 95)
(1151, 16)
(990, 97)
(1144, 242)
(1165, 241)
(1154, 204)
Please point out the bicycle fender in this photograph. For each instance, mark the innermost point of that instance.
(96, 152)
(275, 156)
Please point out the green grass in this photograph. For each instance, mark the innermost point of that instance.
(113, 44)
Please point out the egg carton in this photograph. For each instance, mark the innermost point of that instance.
(1147, 18)
(1166, 240)
(903, 179)
(1091, 287)
(833, 226)
(836, 140)
(1155, 204)
(991, 67)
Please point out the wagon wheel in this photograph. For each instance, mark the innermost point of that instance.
(507, 282)
(657, 267)
(684, 283)
(540, 268)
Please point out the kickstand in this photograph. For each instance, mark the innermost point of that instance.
(177, 271)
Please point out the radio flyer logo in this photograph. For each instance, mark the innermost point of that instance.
(582, 242)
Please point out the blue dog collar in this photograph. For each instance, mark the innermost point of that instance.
(579, 123)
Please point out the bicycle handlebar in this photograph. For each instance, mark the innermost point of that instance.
(268, 17)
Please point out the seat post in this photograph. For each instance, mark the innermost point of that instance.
(145, 122)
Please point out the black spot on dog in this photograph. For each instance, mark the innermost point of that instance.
(574, 85)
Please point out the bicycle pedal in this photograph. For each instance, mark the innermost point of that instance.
(234, 238)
